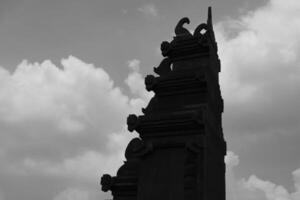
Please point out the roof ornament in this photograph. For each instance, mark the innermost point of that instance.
(180, 30)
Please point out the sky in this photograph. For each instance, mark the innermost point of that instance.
(72, 70)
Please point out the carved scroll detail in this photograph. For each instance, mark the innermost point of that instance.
(180, 30)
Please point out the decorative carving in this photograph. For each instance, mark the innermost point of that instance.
(150, 106)
(165, 48)
(198, 32)
(180, 30)
(182, 122)
(150, 82)
(164, 67)
(106, 181)
(132, 122)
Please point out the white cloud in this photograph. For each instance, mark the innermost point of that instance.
(66, 121)
(65, 96)
(231, 159)
(88, 166)
(135, 82)
(271, 190)
(134, 64)
(255, 188)
(149, 10)
(260, 55)
(73, 99)
(260, 78)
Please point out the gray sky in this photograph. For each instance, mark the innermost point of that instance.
(72, 70)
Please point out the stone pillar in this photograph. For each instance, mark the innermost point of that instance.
(181, 145)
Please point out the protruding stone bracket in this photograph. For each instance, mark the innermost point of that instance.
(132, 122)
(107, 182)
(150, 82)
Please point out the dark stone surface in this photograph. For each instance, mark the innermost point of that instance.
(179, 154)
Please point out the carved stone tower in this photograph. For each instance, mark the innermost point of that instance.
(180, 152)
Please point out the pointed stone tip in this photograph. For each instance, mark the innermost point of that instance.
(209, 16)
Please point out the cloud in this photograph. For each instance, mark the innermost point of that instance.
(43, 92)
(260, 78)
(70, 109)
(135, 81)
(69, 121)
(231, 159)
(86, 166)
(149, 10)
(260, 66)
(255, 188)
(134, 64)
(64, 121)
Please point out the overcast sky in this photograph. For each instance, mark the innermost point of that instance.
(72, 70)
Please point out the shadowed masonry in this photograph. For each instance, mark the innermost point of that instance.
(180, 152)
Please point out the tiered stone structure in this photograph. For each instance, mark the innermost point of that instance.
(180, 152)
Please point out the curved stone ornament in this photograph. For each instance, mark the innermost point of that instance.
(198, 32)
